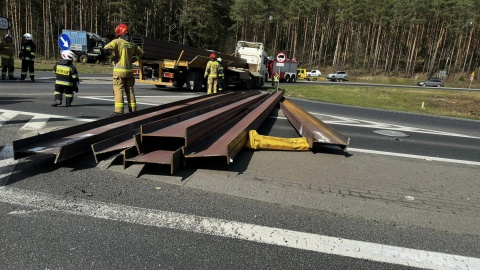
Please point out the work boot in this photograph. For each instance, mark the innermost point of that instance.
(32, 79)
(57, 102)
(68, 101)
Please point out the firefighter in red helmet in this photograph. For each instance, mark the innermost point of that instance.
(123, 53)
(211, 72)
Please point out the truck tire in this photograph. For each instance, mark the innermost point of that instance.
(293, 79)
(287, 78)
(83, 58)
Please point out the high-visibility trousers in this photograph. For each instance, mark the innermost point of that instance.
(212, 83)
(121, 85)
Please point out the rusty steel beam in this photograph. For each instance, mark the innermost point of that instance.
(158, 147)
(125, 140)
(315, 130)
(69, 142)
(234, 139)
(192, 128)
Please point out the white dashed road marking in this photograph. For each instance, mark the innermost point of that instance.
(239, 230)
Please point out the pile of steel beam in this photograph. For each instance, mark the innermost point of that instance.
(156, 49)
(173, 134)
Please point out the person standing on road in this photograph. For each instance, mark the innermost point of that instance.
(123, 53)
(7, 50)
(221, 74)
(28, 51)
(276, 79)
(211, 72)
(67, 79)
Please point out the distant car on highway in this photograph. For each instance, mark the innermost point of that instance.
(338, 76)
(314, 73)
(432, 82)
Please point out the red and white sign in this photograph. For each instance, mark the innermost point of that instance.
(281, 57)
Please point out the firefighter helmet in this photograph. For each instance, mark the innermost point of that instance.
(27, 36)
(213, 56)
(8, 36)
(68, 55)
(219, 59)
(121, 30)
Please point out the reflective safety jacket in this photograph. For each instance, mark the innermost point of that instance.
(276, 78)
(66, 73)
(28, 50)
(123, 54)
(7, 50)
(221, 72)
(212, 69)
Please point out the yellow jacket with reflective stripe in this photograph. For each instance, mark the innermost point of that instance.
(122, 53)
(66, 73)
(212, 69)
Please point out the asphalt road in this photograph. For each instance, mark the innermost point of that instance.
(388, 203)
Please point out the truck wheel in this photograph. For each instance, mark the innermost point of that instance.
(83, 59)
(293, 79)
(287, 78)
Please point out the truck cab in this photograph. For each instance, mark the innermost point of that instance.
(256, 58)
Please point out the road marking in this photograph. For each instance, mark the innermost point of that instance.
(6, 116)
(37, 122)
(238, 230)
(41, 115)
(345, 121)
(458, 161)
(7, 164)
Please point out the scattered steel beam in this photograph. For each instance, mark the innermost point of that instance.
(307, 125)
(72, 141)
(125, 140)
(234, 139)
(158, 146)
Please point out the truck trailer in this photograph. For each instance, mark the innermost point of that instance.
(172, 64)
(87, 46)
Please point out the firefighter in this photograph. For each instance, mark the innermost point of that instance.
(123, 52)
(7, 51)
(211, 72)
(27, 54)
(67, 79)
(276, 79)
(221, 74)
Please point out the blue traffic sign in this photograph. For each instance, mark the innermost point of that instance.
(5, 23)
(64, 42)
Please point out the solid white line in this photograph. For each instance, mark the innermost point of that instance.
(458, 161)
(239, 230)
(7, 164)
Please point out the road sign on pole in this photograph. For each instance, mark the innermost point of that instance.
(5, 23)
(64, 42)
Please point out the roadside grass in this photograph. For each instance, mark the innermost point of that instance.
(47, 65)
(463, 104)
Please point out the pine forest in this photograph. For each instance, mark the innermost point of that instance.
(391, 38)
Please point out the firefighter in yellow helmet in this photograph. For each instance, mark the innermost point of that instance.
(123, 53)
(7, 50)
(211, 72)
